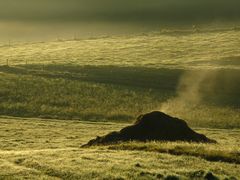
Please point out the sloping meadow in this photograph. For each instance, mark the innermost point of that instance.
(110, 93)
(192, 74)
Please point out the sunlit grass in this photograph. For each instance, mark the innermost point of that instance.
(217, 49)
(29, 96)
(114, 79)
(50, 149)
(105, 93)
(119, 77)
(206, 151)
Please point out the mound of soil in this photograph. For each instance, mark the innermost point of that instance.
(156, 126)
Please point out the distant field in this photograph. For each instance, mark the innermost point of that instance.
(176, 49)
(50, 149)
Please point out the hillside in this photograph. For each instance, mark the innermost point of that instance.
(192, 74)
(194, 48)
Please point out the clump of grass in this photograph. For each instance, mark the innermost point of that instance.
(51, 171)
(172, 177)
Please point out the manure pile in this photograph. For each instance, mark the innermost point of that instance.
(153, 126)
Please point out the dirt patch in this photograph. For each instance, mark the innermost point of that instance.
(156, 126)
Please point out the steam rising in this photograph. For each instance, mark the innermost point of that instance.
(206, 96)
(190, 91)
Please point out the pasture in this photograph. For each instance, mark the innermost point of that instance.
(55, 96)
(50, 149)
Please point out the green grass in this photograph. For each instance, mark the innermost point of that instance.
(109, 93)
(50, 149)
(204, 151)
(34, 96)
(190, 74)
(97, 85)
(181, 49)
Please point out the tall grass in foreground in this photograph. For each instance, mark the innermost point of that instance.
(50, 149)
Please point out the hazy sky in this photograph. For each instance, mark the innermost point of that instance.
(119, 10)
(38, 16)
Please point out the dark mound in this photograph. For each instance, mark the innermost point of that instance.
(153, 126)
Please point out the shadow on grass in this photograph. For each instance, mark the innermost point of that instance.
(214, 155)
(220, 88)
(137, 77)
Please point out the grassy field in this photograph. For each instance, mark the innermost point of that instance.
(50, 149)
(190, 74)
(55, 96)
(191, 48)
(109, 93)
